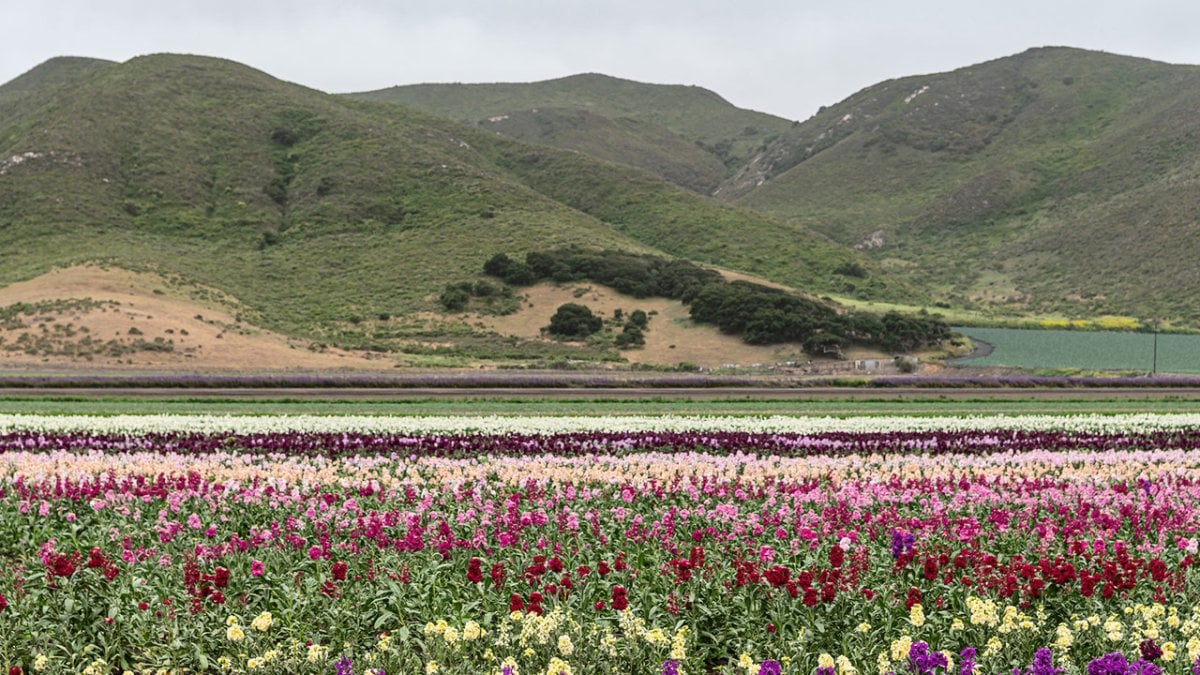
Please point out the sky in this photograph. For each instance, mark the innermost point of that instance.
(786, 57)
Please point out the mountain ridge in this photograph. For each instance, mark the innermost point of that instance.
(319, 212)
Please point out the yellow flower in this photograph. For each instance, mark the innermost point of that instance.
(679, 644)
(1065, 638)
(844, 666)
(255, 663)
(262, 622)
(916, 615)
(472, 631)
(316, 653)
(901, 647)
(1169, 651)
(565, 646)
(825, 660)
(39, 664)
(994, 645)
(432, 667)
(450, 635)
(225, 663)
(655, 636)
(863, 627)
(558, 667)
(883, 664)
(983, 612)
(957, 625)
(231, 621)
(385, 642)
(234, 633)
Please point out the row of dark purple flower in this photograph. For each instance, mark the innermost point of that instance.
(581, 444)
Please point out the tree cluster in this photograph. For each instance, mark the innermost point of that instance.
(759, 314)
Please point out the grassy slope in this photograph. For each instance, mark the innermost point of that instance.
(1057, 180)
(730, 136)
(626, 140)
(163, 162)
(170, 163)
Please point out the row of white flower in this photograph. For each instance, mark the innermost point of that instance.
(139, 424)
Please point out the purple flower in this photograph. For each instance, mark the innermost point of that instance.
(922, 661)
(1109, 664)
(669, 668)
(967, 664)
(1043, 664)
(1115, 664)
(827, 670)
(1196, 666)
(770, 667)
(344, 667)
(902, 543)
(1143, 667)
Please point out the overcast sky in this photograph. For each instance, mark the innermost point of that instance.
(786, 57)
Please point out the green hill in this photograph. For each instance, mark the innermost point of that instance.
(687, 134)
(319, 212)
(1054, 180)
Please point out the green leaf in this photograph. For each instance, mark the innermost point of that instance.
(384, 618)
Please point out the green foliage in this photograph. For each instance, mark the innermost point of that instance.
(455, 298)
(573, 320)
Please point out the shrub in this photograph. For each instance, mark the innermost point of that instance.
(454, 298)
(574, 320)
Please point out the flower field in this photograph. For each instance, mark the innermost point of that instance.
(544, 546)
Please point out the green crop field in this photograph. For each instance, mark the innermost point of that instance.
(1085, 350)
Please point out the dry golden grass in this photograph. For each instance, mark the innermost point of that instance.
(200, 323)
(672, 337)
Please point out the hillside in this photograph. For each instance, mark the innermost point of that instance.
(328, 218)
(1055, 180)
(687, 134)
